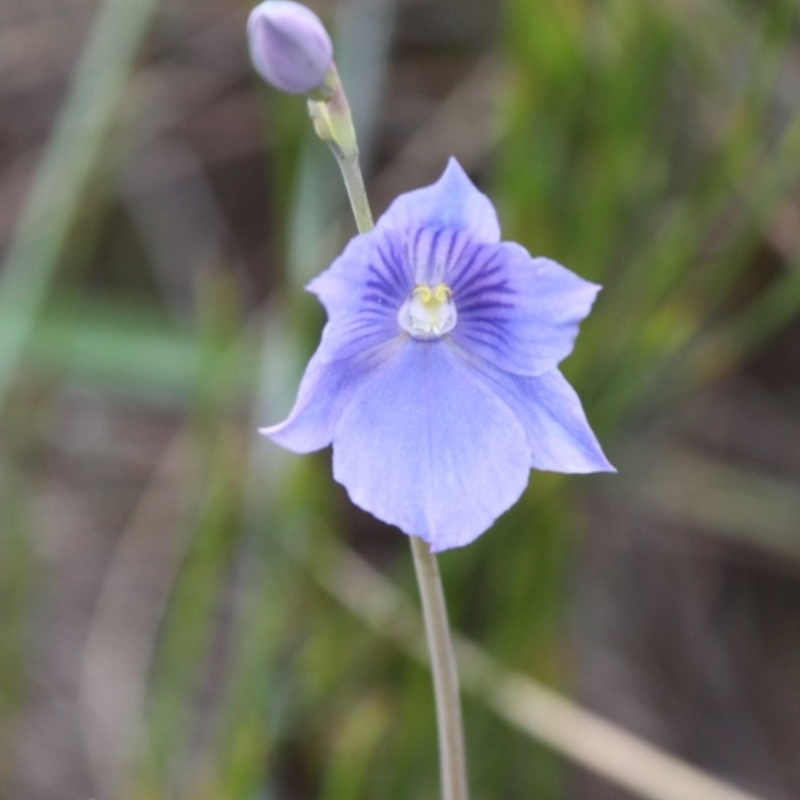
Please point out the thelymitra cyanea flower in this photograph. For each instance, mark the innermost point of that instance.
(437, 377)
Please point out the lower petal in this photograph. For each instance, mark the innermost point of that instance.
(427, 446)
(324, 392)
(560, 437)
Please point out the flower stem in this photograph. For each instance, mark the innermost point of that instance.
(354, 183)
(452, 752)
(333, 123)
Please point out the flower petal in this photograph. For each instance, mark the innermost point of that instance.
(432, 251)
(558, 432)
(519, 313)
(362, 291)
(324, 392)
(453, 201)
(426, 445)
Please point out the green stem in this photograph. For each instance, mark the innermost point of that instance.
(354, 183)
(333, 123)
(452, 752)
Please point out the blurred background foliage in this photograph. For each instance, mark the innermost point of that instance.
(173, 588)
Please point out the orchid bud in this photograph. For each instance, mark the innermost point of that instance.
(289, 46)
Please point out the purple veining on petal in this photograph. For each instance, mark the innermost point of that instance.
(362, 292)
(399, 277)
(431, 251)
(465, 264)
(380, 283)
(448, 256)
(519, 312)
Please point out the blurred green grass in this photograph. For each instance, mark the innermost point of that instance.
(651, 147)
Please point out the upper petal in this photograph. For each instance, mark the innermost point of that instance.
(560, 437)
(426, 445)
(362, 291)
(519, 313)
(430, 252)
(452, 202)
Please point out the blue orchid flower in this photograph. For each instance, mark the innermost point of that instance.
(437, 377)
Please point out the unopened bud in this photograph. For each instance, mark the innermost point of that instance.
(289, 46)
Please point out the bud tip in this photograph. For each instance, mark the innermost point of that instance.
(289, 46)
